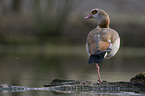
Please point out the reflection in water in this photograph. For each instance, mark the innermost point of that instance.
(35, 70)
(65, 90)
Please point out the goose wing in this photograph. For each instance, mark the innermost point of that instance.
(101, 40)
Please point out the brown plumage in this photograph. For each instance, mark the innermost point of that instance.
(102, 42)
(100, 39)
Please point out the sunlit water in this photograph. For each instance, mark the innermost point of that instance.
(35, 71)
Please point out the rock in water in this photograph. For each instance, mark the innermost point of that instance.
(140, 78)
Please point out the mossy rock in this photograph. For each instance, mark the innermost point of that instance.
(140, 77)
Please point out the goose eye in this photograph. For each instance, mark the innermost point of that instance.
(94, 12)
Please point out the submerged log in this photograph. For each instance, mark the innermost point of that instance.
(57, 86)
(136, 84)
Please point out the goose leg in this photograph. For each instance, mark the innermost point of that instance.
(98, 68)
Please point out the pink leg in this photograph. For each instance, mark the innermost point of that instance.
(97, 66)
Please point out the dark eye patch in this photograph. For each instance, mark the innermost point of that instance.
(94, 12)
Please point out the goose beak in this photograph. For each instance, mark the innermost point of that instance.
(88, 17)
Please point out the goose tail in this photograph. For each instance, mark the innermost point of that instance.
(98, 57)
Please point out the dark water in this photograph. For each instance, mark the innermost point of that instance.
(35, 70)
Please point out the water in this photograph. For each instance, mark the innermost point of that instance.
(35, 70)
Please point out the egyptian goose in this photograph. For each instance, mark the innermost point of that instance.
(102, 41)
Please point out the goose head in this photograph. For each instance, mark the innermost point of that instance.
(101, 16)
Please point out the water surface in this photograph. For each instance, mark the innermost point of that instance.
(39, 69)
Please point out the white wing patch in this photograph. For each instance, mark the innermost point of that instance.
(114, 48)
(110, 43)
(109, 40)
(98, 35)
(87, 49)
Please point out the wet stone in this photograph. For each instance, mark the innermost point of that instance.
(74, 85)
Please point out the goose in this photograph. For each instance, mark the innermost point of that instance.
(102, 41)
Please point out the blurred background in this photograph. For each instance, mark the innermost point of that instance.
(45, 39)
